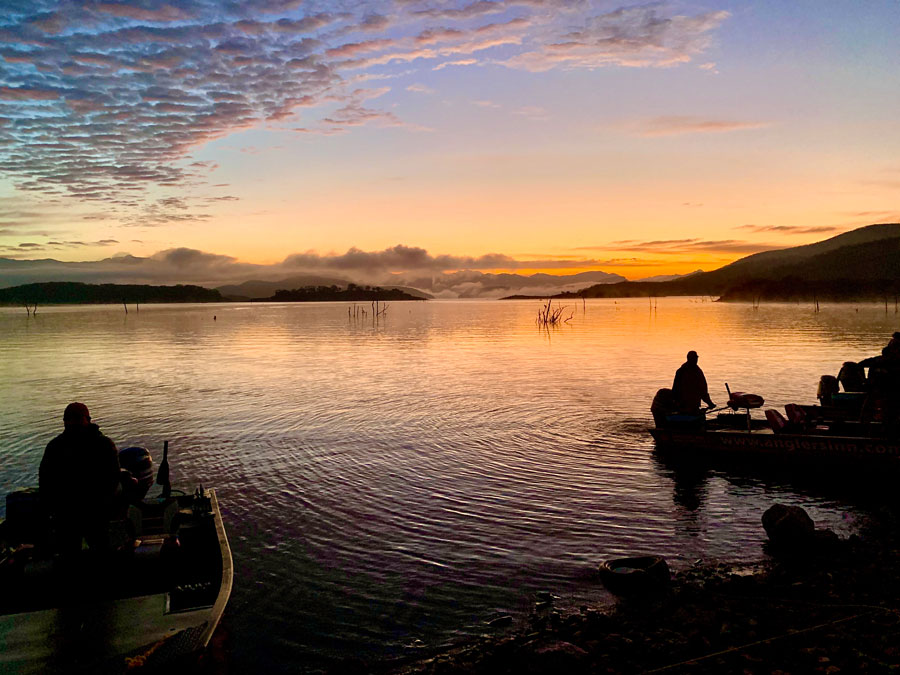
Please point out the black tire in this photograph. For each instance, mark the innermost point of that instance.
(635, 576)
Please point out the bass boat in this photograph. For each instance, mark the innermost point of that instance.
(152, 600)
(848, 429)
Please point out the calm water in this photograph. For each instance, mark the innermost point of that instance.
(391, 487)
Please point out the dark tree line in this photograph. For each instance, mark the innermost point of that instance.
(74, 293)
(352, 293)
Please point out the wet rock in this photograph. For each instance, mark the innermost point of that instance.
(788, 527)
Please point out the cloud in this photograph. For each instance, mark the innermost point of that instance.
(679, 246)
(468, 11)
(106, 101)
(676, 124)
(420, 88)
(452, 276)
(532, 112)
(27, 94)
(790, 229)
(163, 13)
(640, 36)
(682, 246)
(459, 62)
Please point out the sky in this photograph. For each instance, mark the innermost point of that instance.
(525, 136)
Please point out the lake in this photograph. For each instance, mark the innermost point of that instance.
(390, 486)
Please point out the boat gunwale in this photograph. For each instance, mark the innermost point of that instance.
(226, 583)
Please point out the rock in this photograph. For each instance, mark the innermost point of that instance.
(826, 540)
(788, 526)
(557, 657)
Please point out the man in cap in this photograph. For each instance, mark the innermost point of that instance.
(689, 387)
(79, 478)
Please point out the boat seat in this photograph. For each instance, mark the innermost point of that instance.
(777, 421)
(796, 415)
(740, 399)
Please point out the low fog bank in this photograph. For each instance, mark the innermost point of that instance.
(400, 266)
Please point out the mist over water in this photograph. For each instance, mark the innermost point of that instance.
(391, 486)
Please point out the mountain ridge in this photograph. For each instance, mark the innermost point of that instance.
(861, 263)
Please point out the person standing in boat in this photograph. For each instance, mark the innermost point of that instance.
(689, 387)
(78, 481)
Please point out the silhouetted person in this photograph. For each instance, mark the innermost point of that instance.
(79, 478)
(689, 387)
(892, 350)
(887, 389)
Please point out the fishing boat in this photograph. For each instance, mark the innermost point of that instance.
(152, 600)
(839, 433)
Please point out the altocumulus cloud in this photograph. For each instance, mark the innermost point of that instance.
(99, 100)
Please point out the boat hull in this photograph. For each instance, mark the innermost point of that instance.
(819, 449)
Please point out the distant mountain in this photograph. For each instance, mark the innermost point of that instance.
(250, 290)
(76, 293)
(866, 271)
(788, 261)
(668, 277)
(863, 263)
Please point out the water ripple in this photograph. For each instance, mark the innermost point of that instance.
(407, 481)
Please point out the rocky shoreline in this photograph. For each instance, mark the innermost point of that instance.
(817, 604)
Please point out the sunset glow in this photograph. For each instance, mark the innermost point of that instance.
(558, 137)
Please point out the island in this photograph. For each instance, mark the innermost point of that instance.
(77, 293)
(352, 293)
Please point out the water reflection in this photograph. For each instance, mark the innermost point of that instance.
(399, 484)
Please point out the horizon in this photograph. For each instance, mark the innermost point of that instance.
(517, 137)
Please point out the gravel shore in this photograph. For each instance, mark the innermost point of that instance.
(827, 608)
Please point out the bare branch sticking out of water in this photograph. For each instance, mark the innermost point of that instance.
(553, 316)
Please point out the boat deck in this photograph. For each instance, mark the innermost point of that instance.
(132, 609)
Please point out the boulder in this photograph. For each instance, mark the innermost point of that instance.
(788, 526)
(557, 657)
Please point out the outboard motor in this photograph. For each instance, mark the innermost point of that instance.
(852, 376)
(663, 404)
(138, 462)
(828, 386)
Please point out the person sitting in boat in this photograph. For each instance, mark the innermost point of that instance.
(79, 481)
(689, 387)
